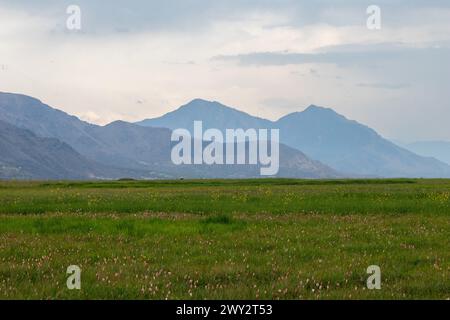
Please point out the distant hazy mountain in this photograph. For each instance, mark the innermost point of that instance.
(321, 133)
(23, 155)
(436, 149)
(352, 147)
(138, 148)
(213, 115)
(117, 144)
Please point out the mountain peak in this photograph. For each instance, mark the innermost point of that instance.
(196, 103)
(314, 112)
(199, 100)
(318, 109)
(213, 114)
(117, 123)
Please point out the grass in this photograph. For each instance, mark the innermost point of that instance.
(225, 239)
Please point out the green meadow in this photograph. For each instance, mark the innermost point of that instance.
(225, 239)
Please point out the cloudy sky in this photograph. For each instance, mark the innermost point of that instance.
(142, 58)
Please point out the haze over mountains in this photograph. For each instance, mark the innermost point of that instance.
(321, 133)
(437, 149)
(40, 142)
(119, 149)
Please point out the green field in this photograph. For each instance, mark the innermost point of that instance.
(230, 239)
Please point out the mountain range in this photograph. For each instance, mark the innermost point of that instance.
(117, 149)
(345, 145)
(41, 142)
